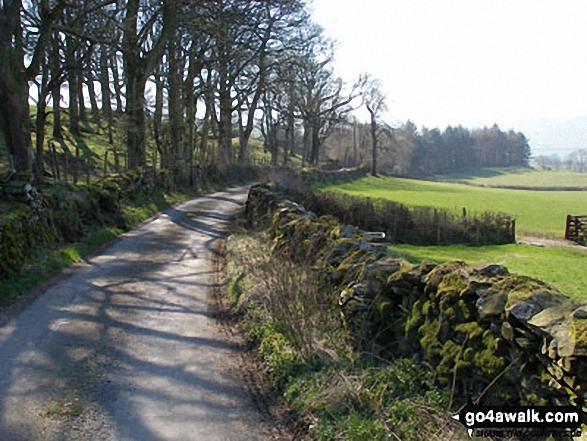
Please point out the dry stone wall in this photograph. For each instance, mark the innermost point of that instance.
(26, 227)
(489, 335)
(31, 220)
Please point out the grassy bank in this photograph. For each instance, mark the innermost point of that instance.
(541, 213)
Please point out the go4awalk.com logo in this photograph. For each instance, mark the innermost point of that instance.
(520, 420)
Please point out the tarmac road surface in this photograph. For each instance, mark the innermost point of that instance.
(125, 348)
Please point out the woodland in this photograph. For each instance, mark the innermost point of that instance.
(191, 82)
(189, 71)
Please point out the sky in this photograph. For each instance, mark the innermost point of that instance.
(519, 63)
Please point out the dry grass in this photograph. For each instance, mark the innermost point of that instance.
(297, 328)
(286, 292)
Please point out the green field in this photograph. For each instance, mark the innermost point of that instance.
(537, 213)
(562, 268)
(540, 213)
(519, 176)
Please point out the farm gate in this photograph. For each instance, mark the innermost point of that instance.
(576, 229)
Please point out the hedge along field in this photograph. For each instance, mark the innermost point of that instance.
(537, 213)
(563, 268)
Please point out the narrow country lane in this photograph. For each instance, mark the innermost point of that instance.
(126, 348)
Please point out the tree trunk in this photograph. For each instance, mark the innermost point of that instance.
(14, 78)
(204, 138)
(225, 123)
(105, 90)
(14, 119)
(355, 145)
(271, 135)
(135, 80)
(56, 71)
(73, 80)
(105, 83)
(83, 115)
(137, 67)
(157, 118)
(290, 129)
(88, 73)
(225, 126)
(209, 102)
(76, 164)
(135, 118)
(116, 83)
(315, 153)
(248, 129)
(307, 140)
(92, 95)
(174, 96)
(190, 103)
(40, 120)
(242, 139)
(373, 142)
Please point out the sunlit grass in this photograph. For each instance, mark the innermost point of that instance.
(560, 267)
(519, 176)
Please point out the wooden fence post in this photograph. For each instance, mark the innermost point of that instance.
(105, 163)
(76, 165)
(56, 177)
(65, 170)
(567, 226)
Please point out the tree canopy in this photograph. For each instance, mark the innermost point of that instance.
(217, 70)
(191, 81)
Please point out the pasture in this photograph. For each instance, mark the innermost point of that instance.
(537, 213)
(563, 268)
(518, 176)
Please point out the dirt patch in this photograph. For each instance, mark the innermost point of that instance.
(549, 242)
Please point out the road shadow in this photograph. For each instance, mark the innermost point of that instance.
(87, 338)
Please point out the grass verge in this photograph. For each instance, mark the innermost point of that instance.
(336, 393)
(47, 263)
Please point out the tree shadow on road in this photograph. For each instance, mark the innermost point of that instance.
(130, 340)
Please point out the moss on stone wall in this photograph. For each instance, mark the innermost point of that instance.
(26, 227)
(477, 326)
(61, 213)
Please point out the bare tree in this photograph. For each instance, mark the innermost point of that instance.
(143, 43)
(579, 160)
(321, 101)
(374, 100)
(15, 76)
